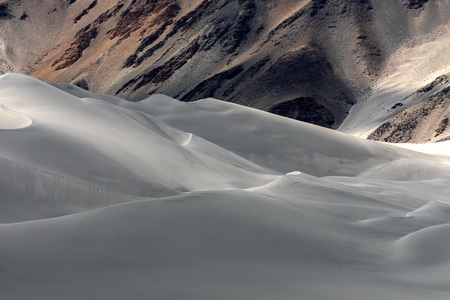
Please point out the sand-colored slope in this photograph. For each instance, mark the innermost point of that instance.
(103, 199)
(105, 152)
(229, 244)
(13, 120)
(295, 146)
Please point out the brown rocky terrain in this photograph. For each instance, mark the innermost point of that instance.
(425, 121)
(311, 60)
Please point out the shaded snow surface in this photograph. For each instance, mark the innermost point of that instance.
(105, 199)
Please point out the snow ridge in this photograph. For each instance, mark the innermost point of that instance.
(106, 199)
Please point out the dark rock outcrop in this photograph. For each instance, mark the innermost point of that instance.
(208, 87)
(5, 12)
(443, 79)
(240, 27)
(416, 120)
(303, 72)
(85, 11)
(81, 42)
(317, 5)
(163, 72)
(193, 17)
(135, 16)
(395, 133)
(162, 19)
(83, 38)
(82, 83)
(3, 9)
(441, 127)
(306, 109)
(415, 4)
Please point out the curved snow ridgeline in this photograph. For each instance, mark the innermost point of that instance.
(101, 198)
(12, 120)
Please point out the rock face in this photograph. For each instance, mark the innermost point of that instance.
(423, 122)
(4, 11)
(415, 4)
(81, 42)
(306, 109)
(272, 54)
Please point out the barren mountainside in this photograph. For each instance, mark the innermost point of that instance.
(308, 60)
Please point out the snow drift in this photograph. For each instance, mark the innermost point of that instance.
(106, 199)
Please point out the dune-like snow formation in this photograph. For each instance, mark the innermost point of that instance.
(12, 120)
(106, 199)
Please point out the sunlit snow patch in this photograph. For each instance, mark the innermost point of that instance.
(13, 120)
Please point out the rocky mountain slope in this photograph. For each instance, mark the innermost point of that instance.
(310, 60)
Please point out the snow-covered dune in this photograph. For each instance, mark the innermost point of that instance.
(87, 147)
(294, 146)
(105, 199)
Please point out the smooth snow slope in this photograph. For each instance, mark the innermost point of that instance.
(103, 199)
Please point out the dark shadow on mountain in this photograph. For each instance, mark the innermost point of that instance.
(306, 109)
(5, 13)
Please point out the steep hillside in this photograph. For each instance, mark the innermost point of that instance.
(308, 60)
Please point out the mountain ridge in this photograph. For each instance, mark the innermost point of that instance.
(308, 60)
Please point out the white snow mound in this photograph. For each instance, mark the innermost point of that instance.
(106, 199)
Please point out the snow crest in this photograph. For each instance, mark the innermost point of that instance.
(106, 199)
